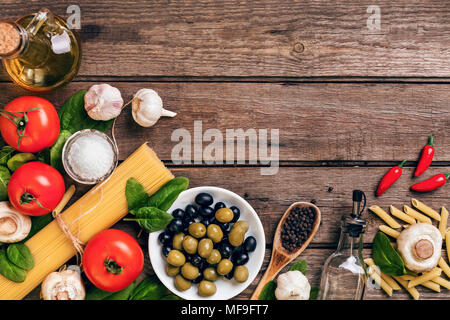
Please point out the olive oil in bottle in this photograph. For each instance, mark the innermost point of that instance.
(39, 51)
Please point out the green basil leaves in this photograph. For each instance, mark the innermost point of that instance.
(168, 193)
(20, 255)
(4, 180)
(151, 219)
(386, 257)
(19, 159)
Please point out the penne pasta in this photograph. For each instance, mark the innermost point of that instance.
(401, 215)
(417, 215)
(426, 209)
(383, 284)
(389, 231)
(412, 291)
(429, 284)
(385, 217)
(427, 276)
(447, 243)
(444, 266)
(388, 279)
(443, 222)
(442, 282)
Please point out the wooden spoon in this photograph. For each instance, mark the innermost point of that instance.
(280, 256)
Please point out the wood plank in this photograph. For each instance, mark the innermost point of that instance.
(287, 38)
(317, 122)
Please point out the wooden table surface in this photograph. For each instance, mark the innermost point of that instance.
(349, 102)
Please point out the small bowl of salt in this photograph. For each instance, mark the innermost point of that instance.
(89, 156)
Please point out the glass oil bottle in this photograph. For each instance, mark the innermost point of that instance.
(343, 275)
(39, 51)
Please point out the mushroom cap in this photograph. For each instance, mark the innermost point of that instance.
(63, 285)
(420, 247)
(14, 226)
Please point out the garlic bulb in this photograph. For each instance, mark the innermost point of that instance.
(147, 108)
(14, 226)
(292, 285)
(63, 285)
(103, 102)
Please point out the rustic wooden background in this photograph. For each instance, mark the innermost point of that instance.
(349, 102)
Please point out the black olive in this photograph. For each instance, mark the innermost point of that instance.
(230, 274)
(196, 260)
(219, 205)
(165, 238)
(198, 279)
(165, 250)
(206, 211)
(236, 213)
(191, 211)
(225, 226)
(241, 259)
(250, 244)
(175, 226)
(178, 214)
(188, 257)
(204, 199)
(206, 222)
(225, 250)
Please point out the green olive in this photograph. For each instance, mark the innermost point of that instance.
(237, 233)
(214, 257)
(190, 244)
(181, 283)
(172, 271)
(197, 230)
(240, 274)
(224, 215)
(224, 267)
(177, 241)
(215, 233)
(176, 258)
(189, 271)
(206, 288)
(210, 274)
(205, 247)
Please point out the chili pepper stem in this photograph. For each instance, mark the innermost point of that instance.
(431, 141)
(447, 175)
(402, 163)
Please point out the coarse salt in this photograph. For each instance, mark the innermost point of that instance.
(91, 157)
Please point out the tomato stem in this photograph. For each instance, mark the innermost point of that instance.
(112, 266)
(26, 198)
(20, 122)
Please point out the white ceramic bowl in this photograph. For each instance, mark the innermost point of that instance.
(226, 289)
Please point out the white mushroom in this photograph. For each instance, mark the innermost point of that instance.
(63, 285)
(292, 285)
(14, 226)
(420, 246)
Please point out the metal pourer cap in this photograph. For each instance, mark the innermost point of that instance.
(354, 223)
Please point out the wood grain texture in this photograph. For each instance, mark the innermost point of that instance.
(317, 122)
(257, 38)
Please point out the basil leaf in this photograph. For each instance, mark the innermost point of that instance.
(4, 180)
(5, 154)
(43, 156)
(151, 219)
(19, 159)
(95, 293)
(9, 270)
(171, 297)
(56, 150)
(73, 117)
(136, 195)
(168, 193)
(386, 257)
(37, 224)
(314, 293)
(150, 288)
(268, 292)
(300, 265)
(20, 255)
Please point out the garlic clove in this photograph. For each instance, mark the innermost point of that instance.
(14, 226)
(63, 285)
(103, 102)
(147, 108)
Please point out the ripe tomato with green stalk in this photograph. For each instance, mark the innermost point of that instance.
(29, 124)
(112, 260)
(35, 188)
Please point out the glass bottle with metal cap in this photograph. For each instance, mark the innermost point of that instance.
(343, 275)
(39, 51)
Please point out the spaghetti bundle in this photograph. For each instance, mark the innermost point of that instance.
(105, 205)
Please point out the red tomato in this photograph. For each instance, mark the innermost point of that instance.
(35, 188)
(29, 124)
(112, 260)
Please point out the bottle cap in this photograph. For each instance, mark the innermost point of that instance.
(9, 38)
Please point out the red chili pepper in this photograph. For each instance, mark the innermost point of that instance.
(426, 158)
(389, 178)
(431, 184)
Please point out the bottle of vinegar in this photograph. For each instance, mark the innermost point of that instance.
(39, 51)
